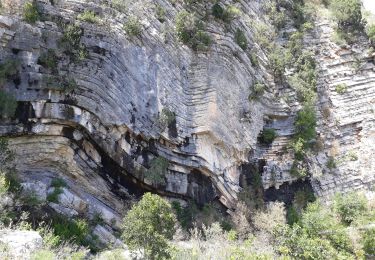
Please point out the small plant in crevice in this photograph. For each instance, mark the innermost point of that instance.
(217, 11)
(299, 169)
(71, 43)
(61, 83)
(8, 71)
(240, 39)
(331, 163)
(54, 195)
(166, 118)
(254, 59)
(341, 88)
(160, 13)
(30, 12)
(133, 27)
(88, 16)
(157, 171)
(267, 136)
(257, 91)
(49, 60)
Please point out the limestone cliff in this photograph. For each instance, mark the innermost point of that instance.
(97, 121)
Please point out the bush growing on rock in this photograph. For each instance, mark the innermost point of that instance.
(160, 13)
(341, 88)
(240, 39)
(49, 60)
(217, 11)
(133, 27)
(267, 136)
(71, 42)
(149, 225)
(8, 105)
(8, 71)
(88, 16)
(348, 13)
(166, 118)
(190, 31)
(31, 12)
(156, 172)
(350, 206)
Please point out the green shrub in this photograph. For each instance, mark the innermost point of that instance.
(254, 59)
(217, 11)
(278, 60)
(347, 13)
(371, 33)
(240, 39)
(191, 32)
(71, 42)
(350, 206)
(292, 215)
(331, 163)
(341, 88)
(8, 71)
(76, 230)
(8, 105)
(267, 136)
(305, 124)
(298, 169)
(230, 13)
(157, 171)
(184, 215)
(48, 60)
(58, 183)
(31, 12)
(149, 225)
(369, 242)
(257, 91)
(119, 5)
(88, 16)
(160, 13)
(43, 254)
(166, 118)
(4, 184)
(54, 195)
(133, 27)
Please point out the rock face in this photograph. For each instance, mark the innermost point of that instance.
(17, 244)
(103, 136)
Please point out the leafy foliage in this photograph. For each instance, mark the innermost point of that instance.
(8, 105)
(257, 90)
(49, 60)
(240, 39)
(347, 13)
(71, 42)
(148, 226)
(190, 31)
(267, 136)
(341, 88)
(350, 206)
(31, 12)
(8, 71)
(88, 16)
(158, 169)
(133, 27)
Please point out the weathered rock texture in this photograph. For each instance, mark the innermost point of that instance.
(102, 136)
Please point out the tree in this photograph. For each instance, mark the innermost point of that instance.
(148, 226)
(347, 12)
